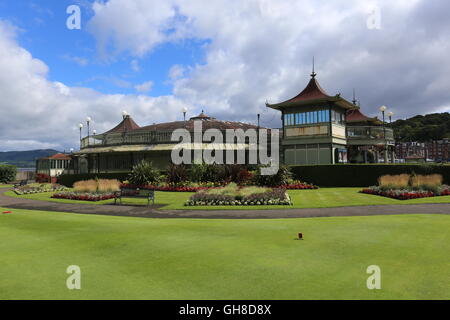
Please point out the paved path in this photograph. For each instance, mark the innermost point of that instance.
(155, 212)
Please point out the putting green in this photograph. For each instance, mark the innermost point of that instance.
(135, 258)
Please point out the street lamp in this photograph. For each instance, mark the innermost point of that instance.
(88, 121)
(124, 114)
(184, 110)
(390, 114)
(383, 109)
(94, 132)
(81, 127)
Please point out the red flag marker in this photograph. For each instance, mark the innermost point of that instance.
(7, 211)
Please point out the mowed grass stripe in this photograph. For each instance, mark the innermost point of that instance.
(132, 258)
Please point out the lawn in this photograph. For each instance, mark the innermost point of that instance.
(5, 185)
(325, 197)
(136, 258)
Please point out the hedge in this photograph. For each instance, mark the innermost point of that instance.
(7, 173)
(69, 179)
(362, 175)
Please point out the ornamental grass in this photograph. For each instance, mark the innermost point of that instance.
(97, 186)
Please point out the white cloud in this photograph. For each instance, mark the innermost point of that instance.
(144, 87)
(78, 60)
(256, 50)
(38, 113)
(135, 65)
(176, 72)
(261, 49)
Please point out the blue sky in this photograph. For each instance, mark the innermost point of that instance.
(72, 56)
(228, 57)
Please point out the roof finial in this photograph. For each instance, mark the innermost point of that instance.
(354, 97)
(313, 74)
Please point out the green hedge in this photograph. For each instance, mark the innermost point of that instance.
(7, 173)
(362, 175)
(69, 179)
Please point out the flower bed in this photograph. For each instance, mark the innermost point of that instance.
(39, 188)
(299, 186)
(194, 187)
(173, 187)
(405, 194)
(233, 195)
(84, 196)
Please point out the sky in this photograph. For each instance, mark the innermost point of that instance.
(226, 57)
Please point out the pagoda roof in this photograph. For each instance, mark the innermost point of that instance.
(127, 124)
(58, 156)
(202, 116)
(312, 94)
(356, 116)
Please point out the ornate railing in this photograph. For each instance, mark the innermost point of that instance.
(370, 132)
(112, 139)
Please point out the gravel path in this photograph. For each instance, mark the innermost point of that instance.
(156, 212)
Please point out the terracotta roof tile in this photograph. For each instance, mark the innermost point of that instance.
(127, 124)
(312, 91)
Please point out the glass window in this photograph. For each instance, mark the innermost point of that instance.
(315, 117)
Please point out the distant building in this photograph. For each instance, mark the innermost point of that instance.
(437, 151)
(55, 165)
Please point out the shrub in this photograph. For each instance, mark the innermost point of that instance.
(243, 177)
(176, 173)
(42, 177)
(69, 179)
(397, 181)
(97, 186)
(428, 180)
(362, 175)
(144, 173)
(7, 173)
(282, 177)
(233, 195)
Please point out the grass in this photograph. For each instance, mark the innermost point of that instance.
(5, 185)
(136, 258)
(320, 198)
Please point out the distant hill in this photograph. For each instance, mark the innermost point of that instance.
(25, 159)
(434, 126)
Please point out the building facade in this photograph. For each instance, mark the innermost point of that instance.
(127, 144)
(436, 151)
(318, 128)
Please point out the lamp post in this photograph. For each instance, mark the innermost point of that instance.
(94, 132)
(383, 109)
(124, 114)
(81, 127)
(390, 114)
(88, 122)
(184, 110)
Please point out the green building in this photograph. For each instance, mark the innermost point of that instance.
(315, 130)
